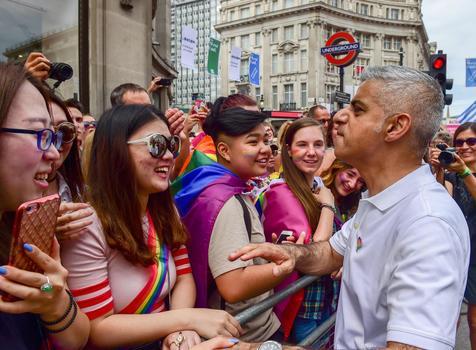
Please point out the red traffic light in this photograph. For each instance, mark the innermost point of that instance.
(438, 63)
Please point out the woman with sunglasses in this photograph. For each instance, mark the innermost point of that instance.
(461, 184)
(41, 319)
(131, 265)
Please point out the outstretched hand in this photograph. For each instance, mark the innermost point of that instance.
(280, 255)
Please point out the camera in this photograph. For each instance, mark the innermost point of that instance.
(60, 71)
(447, 155)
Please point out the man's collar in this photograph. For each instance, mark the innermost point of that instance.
(402, 188)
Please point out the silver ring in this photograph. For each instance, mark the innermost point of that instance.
(178, 340)
(47, 287)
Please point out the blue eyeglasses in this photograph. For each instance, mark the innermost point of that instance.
(44, 138)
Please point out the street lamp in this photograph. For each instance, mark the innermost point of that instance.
(261, 103)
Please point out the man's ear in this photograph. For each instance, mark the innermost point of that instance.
(223, 150)
(397, 126)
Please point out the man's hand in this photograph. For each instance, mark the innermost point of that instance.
(176, 120)
(38, 65)
(280, 255)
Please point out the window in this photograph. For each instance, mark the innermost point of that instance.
(360, 65)
(303, 95)
(244, 12)
(365, 40)
(275, 96)
(330, 89)
(397, 44)
(304, 34)
(288, 62)
(289, 33)
(244, 67)
(274, 64)
(274, 5)
(34, 22)
(392, 43)
(364, 9)
(258, 94)
(288, 3)
(303, 60)
(288, 93)
(245, 42)
(258, 10)
(274, 35)
(387, 43)
(232, 15)
(232, 42)
(330, 68)
(393, 13)
(258, 39)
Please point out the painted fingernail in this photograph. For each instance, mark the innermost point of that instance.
(3, 270)
(234, 340)
(27, 247)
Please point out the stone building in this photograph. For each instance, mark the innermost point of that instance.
(106, 42)
(288, 35)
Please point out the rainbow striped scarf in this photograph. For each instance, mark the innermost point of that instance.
(148, 298)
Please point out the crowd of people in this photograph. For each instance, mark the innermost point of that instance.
(172, 223)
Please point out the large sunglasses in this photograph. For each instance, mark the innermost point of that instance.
(44, 137)
(470, 141)
(90, 124)
(68, 130)
(158, 144)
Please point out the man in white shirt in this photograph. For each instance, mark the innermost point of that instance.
(406, 251)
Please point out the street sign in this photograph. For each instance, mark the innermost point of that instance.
(333, 49)
(341, 97)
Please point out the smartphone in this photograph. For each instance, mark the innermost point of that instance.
(164, 82)
(283, 236)
(35, 223)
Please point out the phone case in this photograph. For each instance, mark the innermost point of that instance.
(35, 223)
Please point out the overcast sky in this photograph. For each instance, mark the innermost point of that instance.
(452, 24)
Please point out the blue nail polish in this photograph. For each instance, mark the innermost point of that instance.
(27, 247)
(3, 270)
(234, 340)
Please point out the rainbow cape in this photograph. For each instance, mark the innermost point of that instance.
(148, 298)
(199, 196)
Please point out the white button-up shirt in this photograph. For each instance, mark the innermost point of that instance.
(406, 255)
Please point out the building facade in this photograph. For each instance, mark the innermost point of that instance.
(107, 43)
(201, 15)
(288, 36)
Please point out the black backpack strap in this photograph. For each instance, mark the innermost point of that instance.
(246, 214)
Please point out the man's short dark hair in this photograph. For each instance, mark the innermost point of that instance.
(74, 103)
(313, 109)
(118, 93)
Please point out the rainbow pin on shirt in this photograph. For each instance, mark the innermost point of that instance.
(359, 244)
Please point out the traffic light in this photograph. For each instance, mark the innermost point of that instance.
(438, 72)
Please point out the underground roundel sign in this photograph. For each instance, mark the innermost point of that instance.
(338, 54)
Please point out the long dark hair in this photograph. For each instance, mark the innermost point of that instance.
(71, 168)
(113, 187)
(295, 179)
(12, 76)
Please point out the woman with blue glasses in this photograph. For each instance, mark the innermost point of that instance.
(27, 152)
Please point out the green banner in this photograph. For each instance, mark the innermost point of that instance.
(213, 55)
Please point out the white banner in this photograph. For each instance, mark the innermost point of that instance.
(189, 47)
(234, 68)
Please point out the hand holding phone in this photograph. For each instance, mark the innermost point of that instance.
(35, 223)
(283, 236)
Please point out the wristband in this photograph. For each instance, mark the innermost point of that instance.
(466, 172)
(328, 206)
(68, 324)
(63, 317)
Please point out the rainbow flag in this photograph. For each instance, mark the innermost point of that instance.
(199, 196)
(148, 298)
(204, 154)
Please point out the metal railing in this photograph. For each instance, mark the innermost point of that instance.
(289, 106)
(321, 337)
